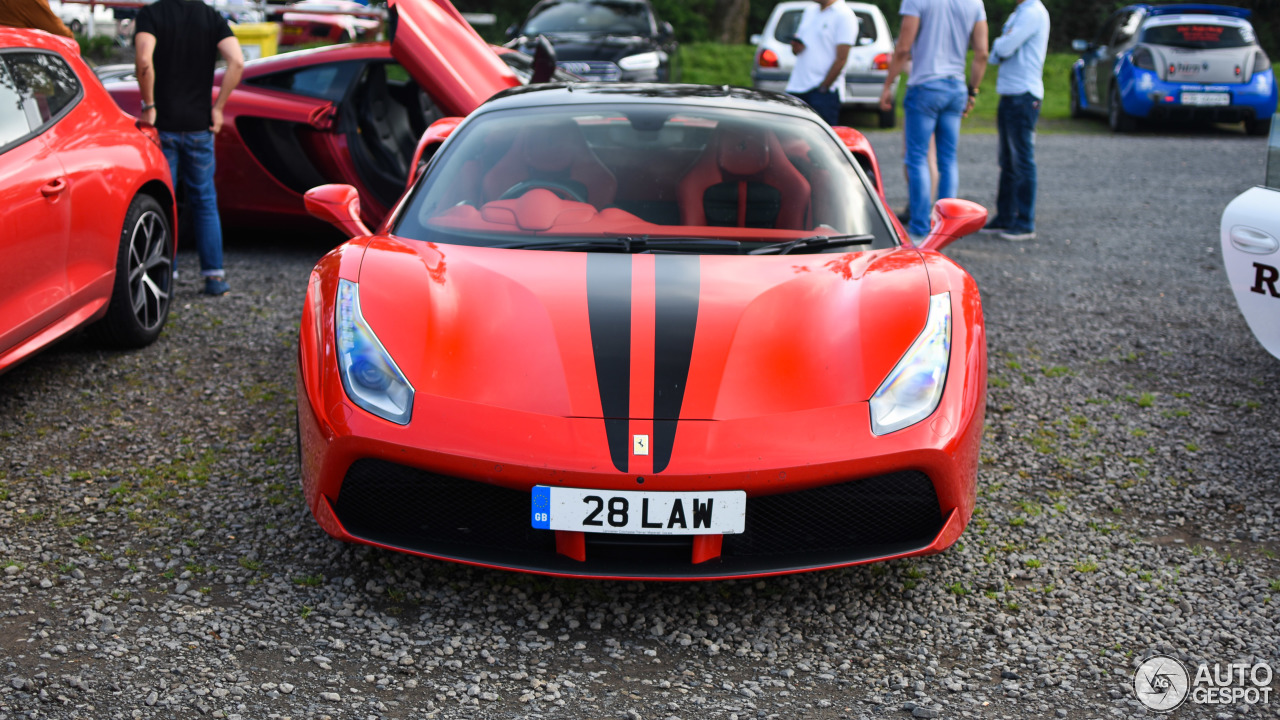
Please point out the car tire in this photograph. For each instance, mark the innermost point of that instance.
(1077, 111)
(1119, 120)
(76, 27)
(143, 285)
(888, 118)
(1258, 127)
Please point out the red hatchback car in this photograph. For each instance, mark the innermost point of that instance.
(350, 114)
(88, 205)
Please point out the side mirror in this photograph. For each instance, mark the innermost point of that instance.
(544, 61)
(1081, 45)
(665, 30)
(513, 30)
(952, 219)
(435, 134)
(755, 39)
(338, 205)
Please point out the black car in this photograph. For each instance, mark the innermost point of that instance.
(602, 40)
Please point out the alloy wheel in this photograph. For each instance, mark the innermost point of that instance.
(150, 270)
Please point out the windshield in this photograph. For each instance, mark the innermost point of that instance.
(613, 17)
(555, 174)
(1199, 36)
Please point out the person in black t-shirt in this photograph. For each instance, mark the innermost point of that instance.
(177, 44)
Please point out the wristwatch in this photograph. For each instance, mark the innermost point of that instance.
(146, 107)
(973, 92)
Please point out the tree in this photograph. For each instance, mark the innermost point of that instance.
(729, 25)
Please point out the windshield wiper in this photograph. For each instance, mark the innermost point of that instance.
(813, 242)
(629, 244)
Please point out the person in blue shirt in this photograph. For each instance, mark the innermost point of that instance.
(1019, 52)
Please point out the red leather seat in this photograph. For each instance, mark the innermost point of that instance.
(556, 152)
(739, 162)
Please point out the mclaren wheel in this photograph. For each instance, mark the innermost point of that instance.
(143, 285)
(1119, 120)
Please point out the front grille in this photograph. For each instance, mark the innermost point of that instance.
(410, 508)
(871, 512)
(468, 520)
(601, 70)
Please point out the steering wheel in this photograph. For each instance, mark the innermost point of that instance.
(561, 189)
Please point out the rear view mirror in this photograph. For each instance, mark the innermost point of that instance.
(338, 205)
(544, 60)
(1081, 45)
(430, 142)
(952, 219)
(755, 39)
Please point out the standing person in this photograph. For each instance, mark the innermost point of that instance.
(936, 35)
(34, 14)
(1020, 53)
(177, 42)
(826, 32)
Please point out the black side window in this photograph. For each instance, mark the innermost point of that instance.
(787, 25)
(1126, 28)
(327, 82)
(46, 83)
(866, 29)
(35, 89)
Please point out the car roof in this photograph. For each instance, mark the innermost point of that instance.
(800, 4)
(12, 37)
(1193, 9)
(711, 96)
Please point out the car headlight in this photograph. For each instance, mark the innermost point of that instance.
(643, 61)
(913, 388)
(369, 375)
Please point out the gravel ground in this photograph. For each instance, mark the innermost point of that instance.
(158, 561)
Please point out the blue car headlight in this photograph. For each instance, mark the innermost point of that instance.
(913, 389)
(369, 375)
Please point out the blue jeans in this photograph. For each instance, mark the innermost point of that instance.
(1016, 199)
(826, 104)
(932, 109)
(190, 156)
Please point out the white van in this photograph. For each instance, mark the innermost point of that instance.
(864, 72)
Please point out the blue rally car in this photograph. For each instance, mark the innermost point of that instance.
(1190, 62)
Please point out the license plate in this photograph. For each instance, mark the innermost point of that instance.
(639, 513)
(1203, 98)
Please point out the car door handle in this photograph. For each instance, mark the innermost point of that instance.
(53, 188)
(1253, 241)
(321, 118)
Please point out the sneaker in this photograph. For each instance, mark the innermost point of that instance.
(1018, 236)
(215, 286)
(993, 228)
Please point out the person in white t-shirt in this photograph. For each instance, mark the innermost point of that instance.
(821, 44)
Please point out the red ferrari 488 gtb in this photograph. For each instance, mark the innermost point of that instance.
(642, 331)
(86, 203)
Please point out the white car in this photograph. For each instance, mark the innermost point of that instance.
(1251, 250)
(76, 17)
(864, 73)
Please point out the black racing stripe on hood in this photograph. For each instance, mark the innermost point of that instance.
(677, 280)
(609, 312)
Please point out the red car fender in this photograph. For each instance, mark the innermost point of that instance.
(316, 353)
(970, 338)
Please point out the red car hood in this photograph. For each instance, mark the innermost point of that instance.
(446, 56)
(648, 336)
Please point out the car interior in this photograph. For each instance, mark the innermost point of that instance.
(604, 175)
(381, 109)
